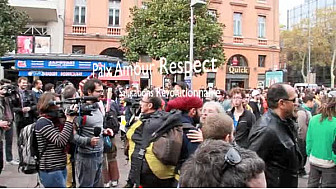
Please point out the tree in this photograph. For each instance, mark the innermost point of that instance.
(12, 22)
(295, 43)
(322, 42)
(162, 30)
(325, 32)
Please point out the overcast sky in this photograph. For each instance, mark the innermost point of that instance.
(284, 6)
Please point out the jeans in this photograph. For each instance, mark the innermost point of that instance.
(322, 177)
(53, 179)
(302, 148)
(1, 154)
(9, 142)
(89, 170)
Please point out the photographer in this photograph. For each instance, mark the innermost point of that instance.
(4, 126)
(24, 106)
(89, 157)
(6, 99)
(52, 139)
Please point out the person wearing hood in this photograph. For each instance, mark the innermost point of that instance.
(191, 108)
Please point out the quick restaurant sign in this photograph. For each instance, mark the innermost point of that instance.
(238, 70)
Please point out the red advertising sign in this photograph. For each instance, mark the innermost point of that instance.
(25, 44)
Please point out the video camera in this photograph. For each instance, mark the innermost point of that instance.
(83, 107)
(10, 90)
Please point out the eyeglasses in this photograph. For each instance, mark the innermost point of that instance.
(99, 91)
(292, 100)
(142, 101)
(237, 98)
(232, 157)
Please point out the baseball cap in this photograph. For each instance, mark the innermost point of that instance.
(255, 93)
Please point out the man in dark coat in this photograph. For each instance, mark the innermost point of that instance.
(273, 138)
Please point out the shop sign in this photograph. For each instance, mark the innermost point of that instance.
(54, 73)
(238, 70)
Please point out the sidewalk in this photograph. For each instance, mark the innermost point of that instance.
(11, 178)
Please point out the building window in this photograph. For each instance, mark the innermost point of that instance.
(78, 49)
(237, 60)
(80, 12)
(261, 60)
(237, 24)
(211, 79)
(261, 26)
(114, 13)
(213, 14)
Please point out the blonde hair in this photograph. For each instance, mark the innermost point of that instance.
(217, 126)
(219, 108)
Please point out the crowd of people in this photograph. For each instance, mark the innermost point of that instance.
(236, 138)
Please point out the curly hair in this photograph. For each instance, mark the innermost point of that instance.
(237, 90)
(205, 167)
(328, 108)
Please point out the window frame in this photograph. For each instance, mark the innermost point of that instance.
(262, 64)
(80, 4)
(78, 46)
(262, 33)
(237, 24)
(114, 5)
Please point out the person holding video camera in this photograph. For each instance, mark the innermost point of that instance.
(4, 126)
(89, 157)
(24, 106)
(52, 137)
(8, 95)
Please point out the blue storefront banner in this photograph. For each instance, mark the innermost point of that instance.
(62, 64)
(54, 73)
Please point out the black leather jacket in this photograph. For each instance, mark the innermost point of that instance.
(245, 122)
(274, 141)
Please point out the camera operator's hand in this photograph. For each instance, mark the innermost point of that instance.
(72, 108)
(3, 91)
(108, 132)
(26, 109)
(4, 125)
(94, 141)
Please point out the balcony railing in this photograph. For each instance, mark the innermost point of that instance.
(239, 40)
(114, 31)
(79, 29)
(262, 41)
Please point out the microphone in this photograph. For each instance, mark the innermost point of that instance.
(84, 99)
(97, 131)
(54, 103)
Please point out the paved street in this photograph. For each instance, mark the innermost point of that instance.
(10, 177)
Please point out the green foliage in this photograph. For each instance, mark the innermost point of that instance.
(11, 23)
(322, 35)
(163, 30)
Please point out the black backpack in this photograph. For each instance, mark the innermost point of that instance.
(111, 120)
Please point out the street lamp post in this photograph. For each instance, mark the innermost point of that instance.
(193, 3)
